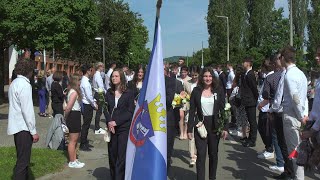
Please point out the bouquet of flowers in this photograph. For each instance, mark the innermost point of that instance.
(101, 96)
(180, 99)
(225, 115)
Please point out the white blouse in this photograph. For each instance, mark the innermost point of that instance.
(116, 101)
(207, 105)
(76, 106)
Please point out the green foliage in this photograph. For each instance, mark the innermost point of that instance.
(63, 25)
(43, 161)
(256, 29)
(313, 31)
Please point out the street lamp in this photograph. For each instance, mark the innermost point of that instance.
(227, 34)
(103, 48)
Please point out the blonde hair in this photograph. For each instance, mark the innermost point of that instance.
(73, 84)
(41, 74)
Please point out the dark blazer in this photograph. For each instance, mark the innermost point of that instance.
(57, 95)
(196, 110)
(133, 87)
(123, 113)
(248, 89)
(223, 81)
(170, 84)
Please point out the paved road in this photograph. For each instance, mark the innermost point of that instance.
(235, 161)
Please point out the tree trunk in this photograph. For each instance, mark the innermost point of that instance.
(2, 95)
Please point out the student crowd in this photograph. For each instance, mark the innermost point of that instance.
(281, 100)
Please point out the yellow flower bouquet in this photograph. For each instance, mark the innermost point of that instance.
(182, 99)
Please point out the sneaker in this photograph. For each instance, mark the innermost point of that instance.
(75, 165)
(80, 163)
(99, 131)
(266, 155)
(261, 152)
(276, 168)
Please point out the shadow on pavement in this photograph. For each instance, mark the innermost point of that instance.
(249, 166)
(183, 155)
(178, 173)
(101, 173)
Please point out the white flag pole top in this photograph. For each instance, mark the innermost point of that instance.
(159, 4)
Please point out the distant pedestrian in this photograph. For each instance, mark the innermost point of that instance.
(57, 94)
(42, 93)
(21, 120)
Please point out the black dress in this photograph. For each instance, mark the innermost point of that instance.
(57, 98)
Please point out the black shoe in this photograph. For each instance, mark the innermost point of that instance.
(84, 148)
(89, 145)
(283, 175)
(244, 139)
(248, 144)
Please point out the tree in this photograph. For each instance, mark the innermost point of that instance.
(137, 53)
(63, 25)
(299, 13)
(313, 30)
(4, 43)
(236, 11)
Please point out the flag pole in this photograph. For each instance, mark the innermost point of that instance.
(159, 4)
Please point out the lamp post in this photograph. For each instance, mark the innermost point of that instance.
(103, 48)
(202, 66)
(228, 33)
(291, 24)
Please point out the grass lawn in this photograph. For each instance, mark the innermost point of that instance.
(43, 161)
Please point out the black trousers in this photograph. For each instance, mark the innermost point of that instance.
(23, 142)
(211, 143)
(278, 126)
(87, 118)
(117, 148)
(265, 130)
(57, 108)
(99, 112)
(171, 134)
(233, 117)
(252, 118)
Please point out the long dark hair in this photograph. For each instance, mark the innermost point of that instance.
(215, 81)
(135, 77)
(123, 81)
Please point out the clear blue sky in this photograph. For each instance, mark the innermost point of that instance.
(182, 21)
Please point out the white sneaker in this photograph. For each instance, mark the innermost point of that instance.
(74, 164)
(261, 152)
(266, 155)
(80, 163)
(235, 133)
(99, 131)
(276, 168)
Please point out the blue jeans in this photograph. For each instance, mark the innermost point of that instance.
(277, 150)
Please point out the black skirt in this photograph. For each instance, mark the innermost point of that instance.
(74, 122)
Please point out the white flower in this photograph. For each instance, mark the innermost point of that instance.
(227, 106)
(184, 101)
(100, 90)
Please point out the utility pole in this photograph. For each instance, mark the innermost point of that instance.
(44, 60)
(291, 23)
(187, 60)
(202, 57)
